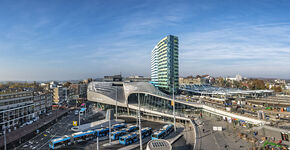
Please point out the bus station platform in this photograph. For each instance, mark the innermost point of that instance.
(96, 125)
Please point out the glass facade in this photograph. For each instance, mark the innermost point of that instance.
(164, 64)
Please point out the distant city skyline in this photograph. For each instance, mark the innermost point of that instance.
(71, 40)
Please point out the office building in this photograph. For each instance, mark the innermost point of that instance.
(164, 64)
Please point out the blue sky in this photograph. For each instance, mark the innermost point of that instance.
(77, 39)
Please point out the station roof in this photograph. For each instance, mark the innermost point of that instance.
(208, 89)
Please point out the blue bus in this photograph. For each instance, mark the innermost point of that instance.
(83, 136)
(146, 132)
(128, 139)
(158, 134)
(102, 132)
(169, 128)
(166, 130)
(132, 128)
(60, 142)
(117, 134)
(119, 126)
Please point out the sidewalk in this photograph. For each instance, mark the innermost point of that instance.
(220, 140)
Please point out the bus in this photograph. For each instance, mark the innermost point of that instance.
(166, 130)
(83, 136)
(128, 139)
(132, 128)
(169, 128)
(146, 132)
(158, 134)
(119, 126)
(102, 132)
(117, 134)
(60, 142)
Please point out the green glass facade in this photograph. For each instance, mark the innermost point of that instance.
(166, 54)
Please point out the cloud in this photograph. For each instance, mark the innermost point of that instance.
(262, 47)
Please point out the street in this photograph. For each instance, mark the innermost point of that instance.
(62, 127)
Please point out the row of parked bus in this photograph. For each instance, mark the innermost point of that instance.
(121, 132)
(134, 137)
(83, 136)
(163, 132)
(125, 135)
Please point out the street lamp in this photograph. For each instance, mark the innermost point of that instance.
(174, 108)
(4, 137)
(79, 118)
(140, 132)
(110, 127)
(116, 103)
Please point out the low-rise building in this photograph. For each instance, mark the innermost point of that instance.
(137, 79)
(237, 78)
(113, 78)
(195, 80)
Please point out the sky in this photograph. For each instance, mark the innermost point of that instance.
(78, 39)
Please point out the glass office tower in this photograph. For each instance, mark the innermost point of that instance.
(164, 64)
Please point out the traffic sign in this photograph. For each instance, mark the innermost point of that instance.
(172, 103)
(75, 123)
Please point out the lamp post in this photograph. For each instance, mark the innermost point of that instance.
(140, 132)
(174, 107)
(97, 142)
(79, 118)
(110, 128)
(116, 103)
(4, 138)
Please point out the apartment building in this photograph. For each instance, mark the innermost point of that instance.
(16, 109)
(59, 95)
(43, 103)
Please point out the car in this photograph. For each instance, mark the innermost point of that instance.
(76, 112)
(24, 146)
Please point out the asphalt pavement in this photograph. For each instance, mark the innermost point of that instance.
(62, 127)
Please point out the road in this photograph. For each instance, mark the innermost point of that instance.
(62, 127)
